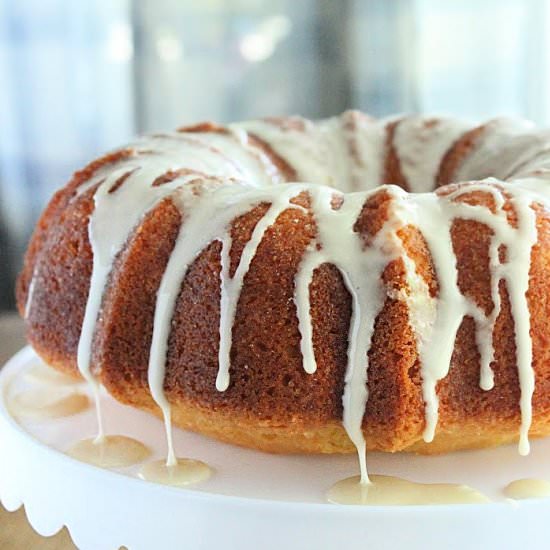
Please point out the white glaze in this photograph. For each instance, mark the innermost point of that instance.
(393, 491)
(231, 286)
(48, 402)
(221, 205)
(235, 176)
(504, 145)
(184, 472)
(521, 489)
(365, 140)
(421, 144)
(338, 244)
(43, 375)
(302, 147)
(30, 292)
(112, 451)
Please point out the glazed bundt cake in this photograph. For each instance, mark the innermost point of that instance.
(380, 303)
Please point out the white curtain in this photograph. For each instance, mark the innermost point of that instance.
(77, 78)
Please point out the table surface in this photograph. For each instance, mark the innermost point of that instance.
(15, 531)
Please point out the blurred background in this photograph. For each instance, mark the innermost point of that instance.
(80, 77)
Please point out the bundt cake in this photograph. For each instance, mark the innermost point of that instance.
(195, 274)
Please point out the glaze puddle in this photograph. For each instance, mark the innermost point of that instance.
(393, 491)
(185, 471)
(112, 451)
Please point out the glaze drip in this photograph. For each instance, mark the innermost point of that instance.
(438, 213)
(339, 244)
(231, 286)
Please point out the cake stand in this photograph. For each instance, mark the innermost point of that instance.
(255, 500)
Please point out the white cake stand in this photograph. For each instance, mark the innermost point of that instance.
(255, 501)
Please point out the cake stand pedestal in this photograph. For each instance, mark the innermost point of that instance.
(254, 500)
